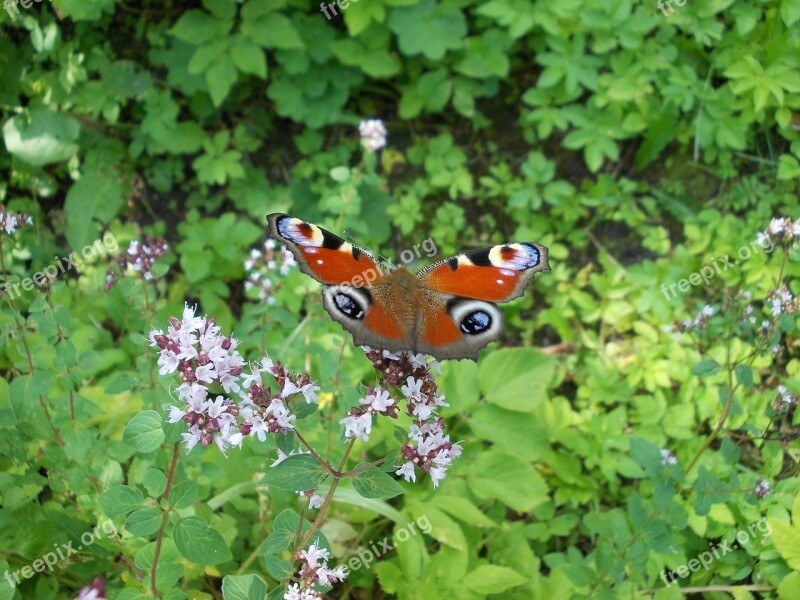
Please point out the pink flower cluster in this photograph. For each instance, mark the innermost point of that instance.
(261, 265)
(139, 257)
(314, 571)
(429, 449)
(194, 348)
(94, 591)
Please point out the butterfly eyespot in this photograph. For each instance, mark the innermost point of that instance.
(348, 306)
(476, 322)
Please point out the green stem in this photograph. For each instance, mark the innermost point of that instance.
(164, 518)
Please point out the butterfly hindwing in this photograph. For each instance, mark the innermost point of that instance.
(371, 322)
(495, 274)
(458, 327)
(326, 257)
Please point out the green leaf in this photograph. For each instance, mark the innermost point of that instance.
(463, 510)
(155, 482)
(243, 587)
(706, 366)
(276, 542)
(81, 10)
(93, 200)
(196, 27)
(516, 378)
(440, 526)
(516, 433)
(121, 383)
(199, 543)
(429, 29)
(790, 11)
(120, 499)
(744, 375)
(66, 355)
(787, 541)
(730, 451)
(273, 30)
(297, 473)
(184, 494)
(41, 137)
(789, 587)
(489, 579)
(486, 55)
(374, 483)
(511, 480)
(248, 57)
(788, 167)
(220, 78)
(20, 397)
(144, 522)
(340, 174)
(143, 432)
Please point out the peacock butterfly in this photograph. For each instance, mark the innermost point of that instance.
(446, 310)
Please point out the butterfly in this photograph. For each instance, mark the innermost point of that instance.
(446, 310)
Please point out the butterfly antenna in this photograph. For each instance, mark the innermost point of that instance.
(385, 261)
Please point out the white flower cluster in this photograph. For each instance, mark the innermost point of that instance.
(430, 449)
(783, 302)
(9, 222)
(373, 134)
(314, 571)
(762, 488)
(781, 230)
(195, 349)
(784, 400)
(261, 265)
(785, 396)
(94, 591)
(686, 325)
(668, 458)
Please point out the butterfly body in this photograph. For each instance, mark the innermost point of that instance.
(446, 310)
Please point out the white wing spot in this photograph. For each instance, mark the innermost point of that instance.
(319, 261)
(500, 281)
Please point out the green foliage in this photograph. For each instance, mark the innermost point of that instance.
(616, 433)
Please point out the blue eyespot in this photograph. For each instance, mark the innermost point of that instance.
(348, 306)
(476, 322)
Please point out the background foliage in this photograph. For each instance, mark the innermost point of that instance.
(637, 146)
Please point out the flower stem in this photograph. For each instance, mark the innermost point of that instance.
(337, 477)
(160, 536)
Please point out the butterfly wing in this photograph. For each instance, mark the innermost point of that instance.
(461, 317)
(496, 274)
(326, 257)
(355, 286)
(456, 327)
